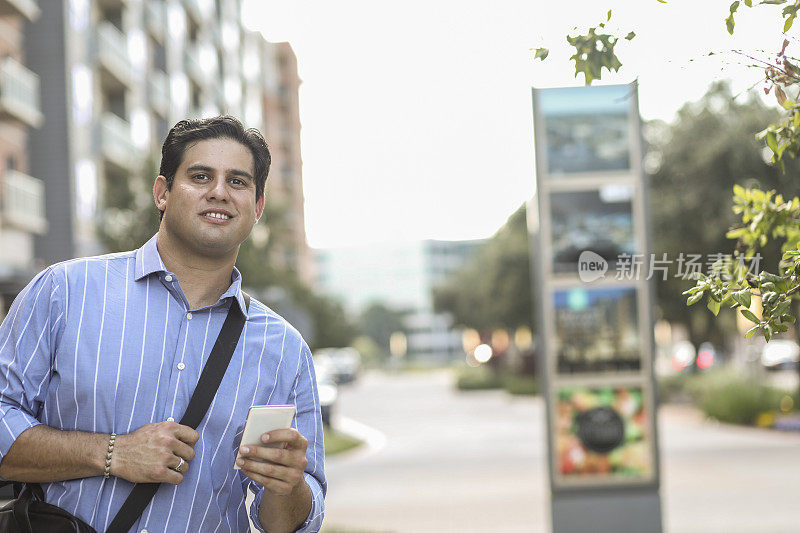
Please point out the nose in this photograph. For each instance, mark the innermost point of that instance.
(218, 190)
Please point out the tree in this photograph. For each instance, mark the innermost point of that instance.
(494, 288)
(379, 322)
(765, 216)
(708, 149)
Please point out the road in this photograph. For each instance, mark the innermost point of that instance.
(444, 461)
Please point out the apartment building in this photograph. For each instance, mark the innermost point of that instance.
(115, 76)
(21, 192)
(282, 129)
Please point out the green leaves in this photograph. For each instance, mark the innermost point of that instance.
(749, 315)
(714, 305)
(742, 298)
(730, 22)
(694, 298)
(541, 53)
(764, 216)
(595, 51)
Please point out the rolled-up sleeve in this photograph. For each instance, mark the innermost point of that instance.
(27, 336)
(308, 421)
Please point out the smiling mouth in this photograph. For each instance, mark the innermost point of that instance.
(216, 217)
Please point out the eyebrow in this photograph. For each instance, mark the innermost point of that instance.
(234, 171)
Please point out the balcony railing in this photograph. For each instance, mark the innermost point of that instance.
(193, 65)
(23, 202)
(199, 10)
(116, 142)
(112, 52)
(156, 18)
(159, 91)
(19, 93)
(27, 8)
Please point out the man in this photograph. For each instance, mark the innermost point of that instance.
(116, 344)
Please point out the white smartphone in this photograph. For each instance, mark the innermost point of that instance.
(260, 420)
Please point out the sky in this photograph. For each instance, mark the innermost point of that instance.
(416, 115)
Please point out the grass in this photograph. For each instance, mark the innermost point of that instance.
(338, 442)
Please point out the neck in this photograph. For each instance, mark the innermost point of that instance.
(203, 278)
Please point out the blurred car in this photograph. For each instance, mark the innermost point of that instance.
(707, 356)
(779, 354)
(683, 355)
(327, 391)
(344, 364)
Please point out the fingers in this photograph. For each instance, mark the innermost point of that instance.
(275, 478)
(168, 475)
(151, 453)
(277, 456)
(182, 449)
(184, 433)
(290, 437)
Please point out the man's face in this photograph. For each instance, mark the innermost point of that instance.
(212, 205)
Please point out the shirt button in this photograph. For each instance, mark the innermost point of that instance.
(170, 419)
(181, 366)
(166, 278)
(188, 316)
(144, 530)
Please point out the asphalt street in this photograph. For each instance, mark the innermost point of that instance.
(438, 460)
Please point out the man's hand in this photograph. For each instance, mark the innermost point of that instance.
(285, 461)
(149, 454)
(287, 498)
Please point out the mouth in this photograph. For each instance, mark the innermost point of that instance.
(216, 216)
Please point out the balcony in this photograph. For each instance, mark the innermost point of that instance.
(26, 8)
(158, 92)
(156, 18)
(22, 203)
(112, 55)
(198, 10)
(19, 93)
(116, 143)
(193, 64)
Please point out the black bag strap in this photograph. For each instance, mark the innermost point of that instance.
(210, 378)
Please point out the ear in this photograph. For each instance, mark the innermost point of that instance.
(260, 206)
(160, 192)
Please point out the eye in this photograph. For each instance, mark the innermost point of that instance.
(238, 182)
(200, 176)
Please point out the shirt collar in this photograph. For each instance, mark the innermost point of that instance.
(148, 261)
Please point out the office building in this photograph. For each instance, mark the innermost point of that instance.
(400, 276)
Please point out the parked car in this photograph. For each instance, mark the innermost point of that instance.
(343, 363)
(779, 354)
(327, 390)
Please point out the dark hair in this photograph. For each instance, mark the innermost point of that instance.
(190, 131)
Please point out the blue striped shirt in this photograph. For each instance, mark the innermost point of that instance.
(109, 344)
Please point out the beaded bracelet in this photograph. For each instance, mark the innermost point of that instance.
(108, 455)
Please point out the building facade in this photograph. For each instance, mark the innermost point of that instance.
(115, 76)
(21, 192)
(402, 277)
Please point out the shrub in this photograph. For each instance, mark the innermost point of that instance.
(478, 378)
(485, 378)
(522, 384)
(732, 398)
